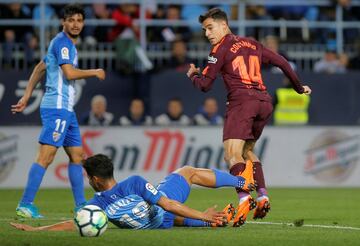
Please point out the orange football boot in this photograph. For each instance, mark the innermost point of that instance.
(262, 207)
(242, 211)
(229, 210)
(248, 175)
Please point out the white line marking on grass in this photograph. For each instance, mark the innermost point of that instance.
(306, 225)
(248, 222)
(19, 220)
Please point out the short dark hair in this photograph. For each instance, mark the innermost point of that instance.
(72, 9)
(215, 13)
(99, 165)
(175, 99)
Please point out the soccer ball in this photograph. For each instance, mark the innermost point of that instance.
(91, 221)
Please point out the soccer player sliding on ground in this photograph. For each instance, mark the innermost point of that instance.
(59, 124)
(135, 203)
(249, 106)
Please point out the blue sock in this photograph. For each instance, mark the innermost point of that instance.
(195, 223)
(226, 179)
(35, 176)
(75, 172)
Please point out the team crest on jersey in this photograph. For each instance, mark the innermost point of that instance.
(151, 188)
(212, 59)
(65, 53)
(56, 136)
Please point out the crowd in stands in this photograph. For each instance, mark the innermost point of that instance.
(179, 35)
(207, 115)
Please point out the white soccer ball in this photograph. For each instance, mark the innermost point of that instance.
(91, 221)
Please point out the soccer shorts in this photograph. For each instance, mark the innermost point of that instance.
(246, 120)
(60, 128)
(176, 188)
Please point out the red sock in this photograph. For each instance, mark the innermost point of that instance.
(259, 176)
(236, 170)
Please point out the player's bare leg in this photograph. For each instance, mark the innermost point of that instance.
(213, 178)
(237, 166)
(45, 156)
(75, 173)
(262, 201)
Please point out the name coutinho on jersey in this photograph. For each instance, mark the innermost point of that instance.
(242, 44)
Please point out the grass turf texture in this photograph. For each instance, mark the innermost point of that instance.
(332, 207)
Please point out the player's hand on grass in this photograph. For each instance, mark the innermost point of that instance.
(213, 216)
(192, 70)
(100, 74)
(23, 227)
(20, 106)
(307, 90)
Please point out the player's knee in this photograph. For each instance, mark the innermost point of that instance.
(45, 159)
(187, 171)
(227, 159)
(233, 158)
(77, 157)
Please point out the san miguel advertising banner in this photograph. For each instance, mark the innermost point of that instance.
(291, 157)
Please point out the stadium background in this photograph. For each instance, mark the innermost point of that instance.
(323, 153)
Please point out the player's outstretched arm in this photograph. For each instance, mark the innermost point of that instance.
(61, 226)
(34, 79)
(72, 73)
(210, 215)
(275, 59)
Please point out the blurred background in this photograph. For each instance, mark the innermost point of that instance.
(147, 115)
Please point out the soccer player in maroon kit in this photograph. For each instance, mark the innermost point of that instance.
(249, 105)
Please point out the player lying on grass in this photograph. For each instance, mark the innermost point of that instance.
(135, 203)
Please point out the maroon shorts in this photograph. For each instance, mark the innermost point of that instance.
(246, 120)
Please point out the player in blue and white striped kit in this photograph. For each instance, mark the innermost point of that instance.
(134, 203)
(60, 126)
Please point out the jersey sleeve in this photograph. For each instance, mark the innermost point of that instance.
(63, 53)
(270, 57)
(143, 188)
(214, 64)
(93, 201)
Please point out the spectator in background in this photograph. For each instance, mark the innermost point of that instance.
(190, 13)
(50, 13)
(174, 115)
(290, 108)
(272, 43)
(171, 32)
(354, 63)
(350, 13)
(179, 59)
(131, 58)
(94, 34)
(98, 115)
(330, 63)
(10, 35)
(258, 12)
(136, 116)
(123, 15)
(208, 114)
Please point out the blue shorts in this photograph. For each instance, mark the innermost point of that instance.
(60, 128)
(174, 187)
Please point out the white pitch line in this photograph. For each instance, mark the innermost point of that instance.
(34, 220)
(248, 222)
(307, 225)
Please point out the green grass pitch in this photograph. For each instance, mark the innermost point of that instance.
(336, 208)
